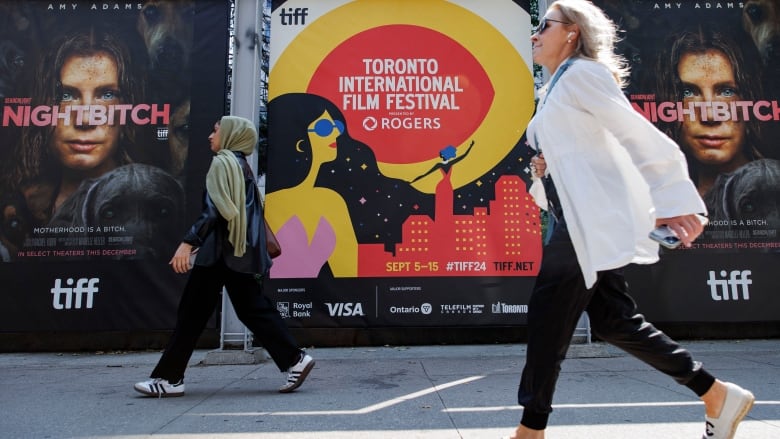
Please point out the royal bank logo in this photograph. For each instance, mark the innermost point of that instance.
(284, 309)
(76, 294)
(733, 285)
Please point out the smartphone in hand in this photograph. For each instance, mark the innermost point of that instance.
(666, 236)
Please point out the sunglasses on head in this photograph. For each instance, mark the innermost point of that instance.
(543, 24)
(324, 127)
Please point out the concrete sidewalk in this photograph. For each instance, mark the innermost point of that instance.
(382, 392)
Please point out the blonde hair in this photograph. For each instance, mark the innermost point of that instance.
(598, 35)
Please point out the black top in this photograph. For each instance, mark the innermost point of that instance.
(210, 232)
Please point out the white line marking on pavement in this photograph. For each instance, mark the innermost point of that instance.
(593, 406)
(364, 410)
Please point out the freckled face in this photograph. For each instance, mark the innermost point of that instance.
(709, 77)
(87, 80)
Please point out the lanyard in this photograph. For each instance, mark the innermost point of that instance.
(562, 68)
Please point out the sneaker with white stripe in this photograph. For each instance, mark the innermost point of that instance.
(298, 373)
(160, 388)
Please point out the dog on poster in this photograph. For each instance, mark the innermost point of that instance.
(15, 224)
(143, 201)
(179, 139)
(166, 28)
(761, 20)
(752, 192)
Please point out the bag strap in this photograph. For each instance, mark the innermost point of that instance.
(562, 68)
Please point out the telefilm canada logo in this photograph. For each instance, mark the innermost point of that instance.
(733, 285)
(462, 308)
(77, 294)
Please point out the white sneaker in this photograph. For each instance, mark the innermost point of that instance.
(737, 404)
(298, 373)
(160, 388)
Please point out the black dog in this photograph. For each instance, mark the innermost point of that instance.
(135, 206)
(15, 224)
(752, 192)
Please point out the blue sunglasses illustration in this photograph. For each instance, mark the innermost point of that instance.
(324, 127)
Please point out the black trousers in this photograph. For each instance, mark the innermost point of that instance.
(199, 300)
(558, 299)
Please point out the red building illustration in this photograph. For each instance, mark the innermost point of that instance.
(501, 240)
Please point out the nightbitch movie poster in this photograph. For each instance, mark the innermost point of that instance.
(706, 74)
(104, 148)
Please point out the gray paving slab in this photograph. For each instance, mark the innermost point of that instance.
(379, 392)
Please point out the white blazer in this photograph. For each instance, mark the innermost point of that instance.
(613, 170)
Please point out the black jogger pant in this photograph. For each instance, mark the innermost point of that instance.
(558, 299)
(199, 300)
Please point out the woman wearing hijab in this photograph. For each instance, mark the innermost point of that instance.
(230, 240)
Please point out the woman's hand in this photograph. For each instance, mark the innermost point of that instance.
(181, 259)
(686, 227)
(538, 165)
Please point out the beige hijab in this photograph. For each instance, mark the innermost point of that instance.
(225, 179)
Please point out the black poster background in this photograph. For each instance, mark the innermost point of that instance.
(730, 275)
(138, 292)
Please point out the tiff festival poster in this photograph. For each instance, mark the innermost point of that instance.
(397, 166)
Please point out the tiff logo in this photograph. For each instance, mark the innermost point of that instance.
(292, 16)
(74, 296)
(729, 288)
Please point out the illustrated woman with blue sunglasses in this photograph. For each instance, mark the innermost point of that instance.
(311, 221)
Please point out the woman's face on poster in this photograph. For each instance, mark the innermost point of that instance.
(323, 133)
(709, 77)
(87, 145)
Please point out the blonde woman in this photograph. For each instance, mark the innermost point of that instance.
(611, 176)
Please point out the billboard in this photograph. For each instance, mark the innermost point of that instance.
(397, 167)
(103, 148)
(705, 73)
(397, 161)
